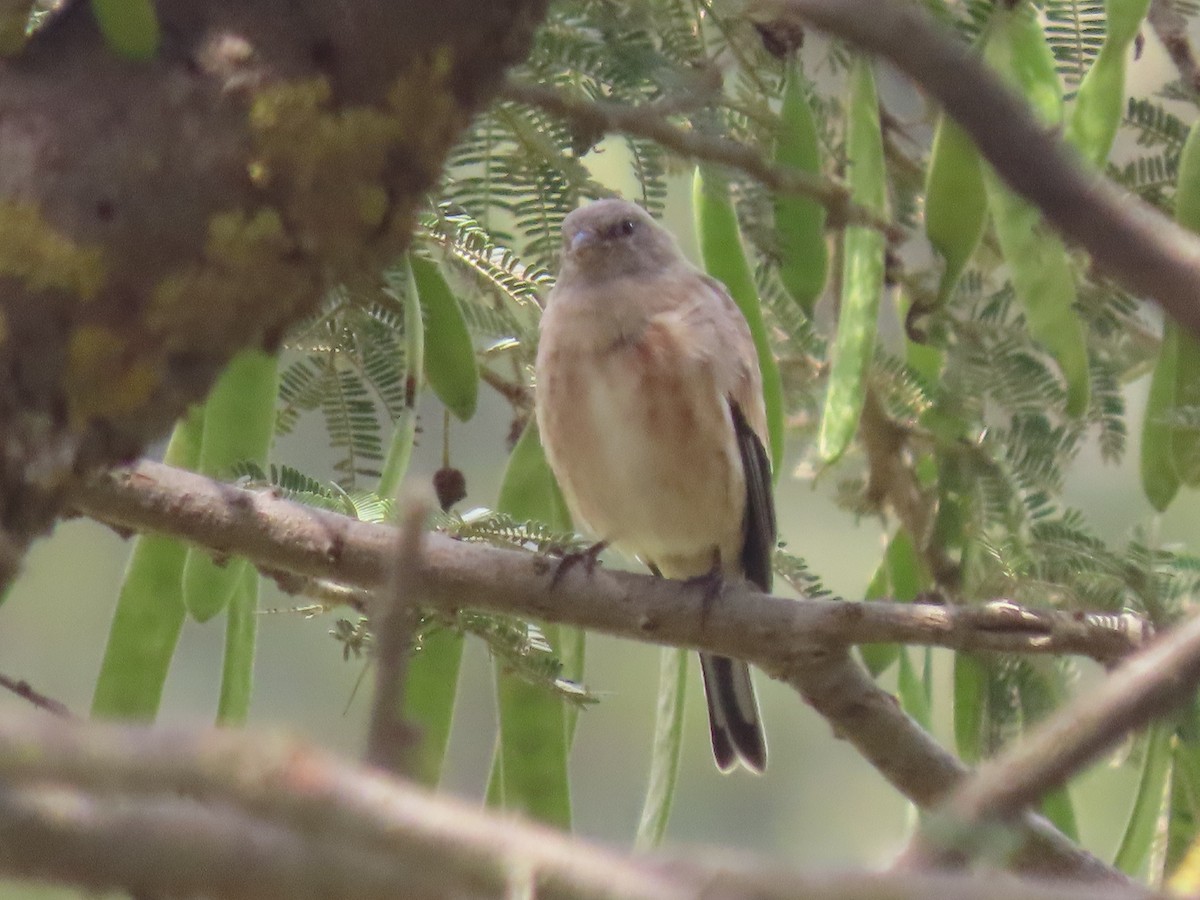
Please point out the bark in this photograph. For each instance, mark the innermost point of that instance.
(157, 217)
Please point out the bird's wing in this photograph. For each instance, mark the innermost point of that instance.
(736, 366)
(740, 381)
(758, 521)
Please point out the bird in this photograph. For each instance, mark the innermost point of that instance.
(648, 401)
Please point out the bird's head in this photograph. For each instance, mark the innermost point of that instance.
(613, 238)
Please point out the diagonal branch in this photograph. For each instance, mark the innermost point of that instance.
(651, 122)
(246, 815)
(802, 642)
(1170, 27)
(1145, 687)
(1129, 240)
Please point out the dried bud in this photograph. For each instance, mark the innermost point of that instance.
(450, 485)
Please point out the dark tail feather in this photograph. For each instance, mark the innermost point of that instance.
(737, 732)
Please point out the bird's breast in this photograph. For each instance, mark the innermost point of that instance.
(642, 442)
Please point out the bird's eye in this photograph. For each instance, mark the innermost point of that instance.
(627, 227)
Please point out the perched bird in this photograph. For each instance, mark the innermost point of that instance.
(649, 404)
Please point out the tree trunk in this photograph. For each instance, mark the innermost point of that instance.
(157, 217)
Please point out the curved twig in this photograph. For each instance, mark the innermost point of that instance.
(1132, 242)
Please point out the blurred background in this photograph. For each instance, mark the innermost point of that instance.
(818, 805)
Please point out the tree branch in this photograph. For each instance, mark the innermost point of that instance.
(650, 122)
(161, 217)
(231, 814)
(284, 538)
(802, 642)
(893, 479)
(1145, 687)
(1129, 240)
(243, 816)
(393, 612)
(25, 691)
(1170, 27)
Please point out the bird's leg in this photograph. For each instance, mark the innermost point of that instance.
(712, 582)
(589, 557)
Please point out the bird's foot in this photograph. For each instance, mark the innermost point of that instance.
(588, 557)
(711, 583)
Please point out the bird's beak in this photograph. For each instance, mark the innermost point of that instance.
(582, 236)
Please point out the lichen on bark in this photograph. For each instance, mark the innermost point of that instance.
(155, 218)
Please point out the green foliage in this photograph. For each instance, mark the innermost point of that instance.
(993, 373)
(130, 27)
(524, 651)
(796, 573)
(150, 608)
(237, 670)
(1075, 33)
(529, 771)
(520, 647)
(862, 271)
(237, 428)
(1147, 805)
(667, 748)
(351, 370)
(799, 221)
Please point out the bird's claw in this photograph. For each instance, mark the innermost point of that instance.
(589, 557)
(711, 583)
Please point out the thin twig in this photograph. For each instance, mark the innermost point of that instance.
(1170, 26)
(517, 394)
(25, 691)
(602, 117)
(893, 479)
(389, 737)
(1134, 243)
(802, 642)
(1146, 686)
(917, 765)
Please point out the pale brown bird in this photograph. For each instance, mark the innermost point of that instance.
(649, 404)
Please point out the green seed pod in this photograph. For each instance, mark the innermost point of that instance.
(404, 434)
(1185, 442)
(130, 27)
(239, 420)
(450, 364)
(529, 490)
(150, 611)
(1040, 268)
(862, 270)
(529, 771)
(1101, 97)
(955, 201)
(1160, 481)
(800, 221)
